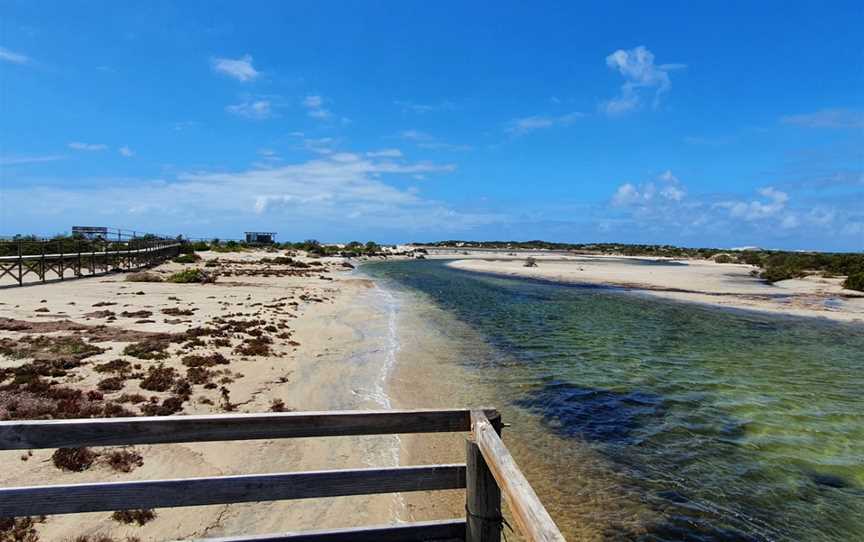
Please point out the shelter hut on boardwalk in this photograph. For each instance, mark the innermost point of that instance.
(260, 237)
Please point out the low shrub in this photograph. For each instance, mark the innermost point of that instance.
(530, 262)
(777, 273)
(73, 459)
(169, 406)
(22, 529)
(187, 258)
(141, 517)
(855, 281)
(189, 276)
(143, 276)
(123, 460)
(113, 383)
(159, 378)
(148, 349)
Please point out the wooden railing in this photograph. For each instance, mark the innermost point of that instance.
(490, 471)
(32, 261)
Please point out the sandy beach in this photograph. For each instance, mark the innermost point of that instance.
(263, 337)
(700, 281)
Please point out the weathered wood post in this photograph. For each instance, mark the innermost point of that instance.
(20, 265)
(483, 496)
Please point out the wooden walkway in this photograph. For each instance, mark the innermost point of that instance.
(25, 268)
(488, 473)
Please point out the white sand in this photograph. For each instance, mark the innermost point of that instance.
(726, 285)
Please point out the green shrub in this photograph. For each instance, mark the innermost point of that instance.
(191, 276)
(782, 272)
(187, 258)
(144, 276)
(855, 281)
(724, 258)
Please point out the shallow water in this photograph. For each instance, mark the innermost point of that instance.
(643, 419)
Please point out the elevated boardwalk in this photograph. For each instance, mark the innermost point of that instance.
(33, 262)
(488, 473)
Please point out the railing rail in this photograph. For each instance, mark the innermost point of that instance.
(490, 471)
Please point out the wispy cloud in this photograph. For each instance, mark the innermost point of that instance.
(314, 105)
(90, 147)
(427, 141)
(15, 58)
(640, 75)
(239, 68)
(24, 160)
(342, 192)
(411, 107)
(827, 118)
(126, 151)
(526, 125)
(385, 153)
(252, 109)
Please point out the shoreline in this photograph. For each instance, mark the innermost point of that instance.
(725, 286)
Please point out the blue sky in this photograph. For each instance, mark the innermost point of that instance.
(693, 123)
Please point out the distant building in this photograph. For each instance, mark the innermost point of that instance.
(260, 237)
(90, 232)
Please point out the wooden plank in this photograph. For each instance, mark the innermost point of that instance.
(100, 497)
(34, 434)
(529, 513)
(483, 498)
(453, 529)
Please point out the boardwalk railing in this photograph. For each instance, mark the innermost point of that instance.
(27, 260)
(490, 471)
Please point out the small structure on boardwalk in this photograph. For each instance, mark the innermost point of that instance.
(90, 232)
(260, 237)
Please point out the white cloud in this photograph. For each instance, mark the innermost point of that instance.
(828, 118)
(240, 68)
(315, 106)
(527, 125)
(313, 102)
(639, 72)
(126, 151)
(385, 153)
(253, 109)
(79, 146)
(343, 194)
(666, 188)
(15, 58)
(772, 205)
(24, 160)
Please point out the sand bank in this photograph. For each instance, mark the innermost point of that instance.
(290, 338)
(725, 285)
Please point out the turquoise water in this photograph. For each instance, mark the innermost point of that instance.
(694, 423)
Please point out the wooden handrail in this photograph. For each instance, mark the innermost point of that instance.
(98, 497)
(420, 531)
(529, 513)
(36, 434)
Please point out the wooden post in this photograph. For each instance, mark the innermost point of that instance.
(483, 498)
(20, 265)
